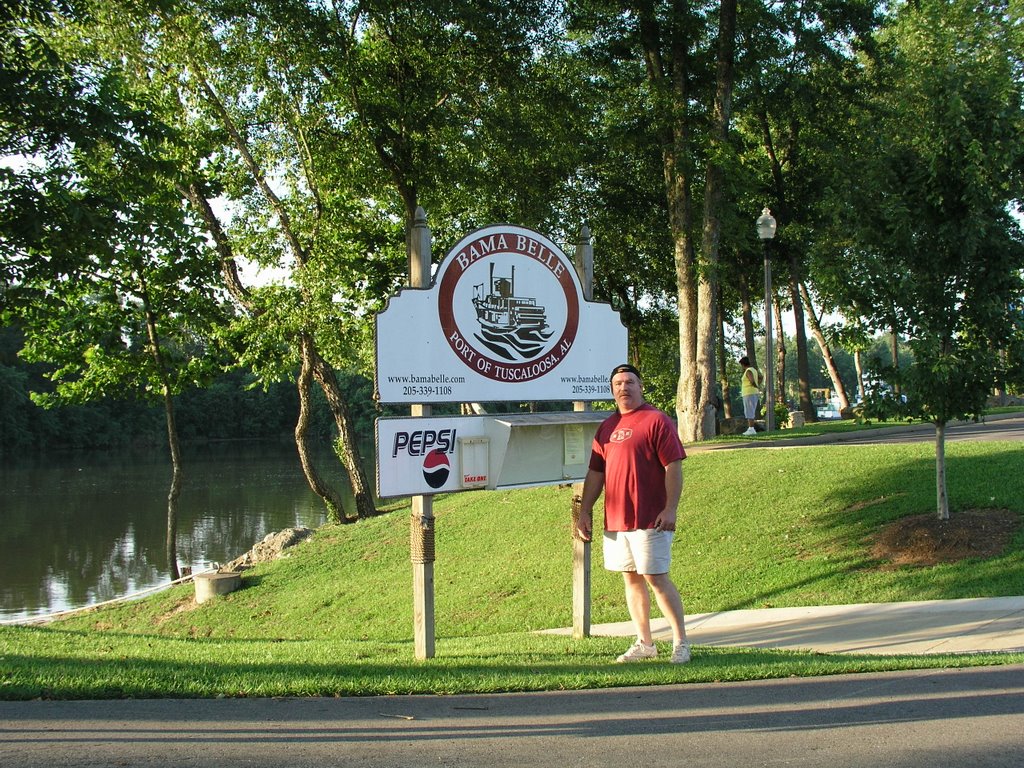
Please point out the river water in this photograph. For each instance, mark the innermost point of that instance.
(77, 530)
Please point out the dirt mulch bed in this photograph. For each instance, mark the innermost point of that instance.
(924, 540)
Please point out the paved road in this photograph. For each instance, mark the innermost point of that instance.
(1009, 427)
(965, 717)
(1003, 427)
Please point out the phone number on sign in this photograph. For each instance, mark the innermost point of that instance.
(426, 391)
(589, 389)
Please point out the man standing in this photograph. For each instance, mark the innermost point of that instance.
(637, 461)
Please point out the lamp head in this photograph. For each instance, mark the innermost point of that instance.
(766, 225)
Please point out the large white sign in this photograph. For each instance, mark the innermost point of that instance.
(504, 319)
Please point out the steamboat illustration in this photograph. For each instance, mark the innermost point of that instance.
(513, 327)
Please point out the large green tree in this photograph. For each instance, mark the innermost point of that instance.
(939, 173)
(318, 129)
(801, 76)
(681, 77)
(101, 271)
(50, 107)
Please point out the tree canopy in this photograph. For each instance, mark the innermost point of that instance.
(156, 149)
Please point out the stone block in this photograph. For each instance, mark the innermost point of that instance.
(212, 584)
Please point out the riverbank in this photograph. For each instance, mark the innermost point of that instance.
(335, 615)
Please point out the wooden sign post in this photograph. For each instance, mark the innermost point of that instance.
(580, 548)
(421, 523)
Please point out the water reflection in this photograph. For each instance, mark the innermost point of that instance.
(79, 530)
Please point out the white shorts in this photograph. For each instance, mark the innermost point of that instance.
(647, 552)
(750, 406)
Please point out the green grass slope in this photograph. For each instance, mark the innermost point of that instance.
(758, 528)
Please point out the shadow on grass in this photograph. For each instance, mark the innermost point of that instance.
(143, 668)
(864, 504)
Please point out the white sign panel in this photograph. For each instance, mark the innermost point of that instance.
(504, 319)
(444, 454)
(423, 455)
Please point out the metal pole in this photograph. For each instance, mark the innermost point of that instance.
(769, 392)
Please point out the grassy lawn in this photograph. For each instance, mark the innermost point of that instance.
(761, 528)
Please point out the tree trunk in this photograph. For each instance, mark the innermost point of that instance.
(803, 368)
(942, 500)
(858, 363)
(686, 303)
(225, 254)
(324, 375)
(723, 376)
(707, 307)
(347, 445)
(349, 450)
(999, 390)
(780, 355)
(680, 216)
(668, 83)
(707, 293)
(826, 352)
(749, 339)
(332, 500)
(894, 354)
(175, 490)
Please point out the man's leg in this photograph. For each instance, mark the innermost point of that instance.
(638, 601)
(670, 603)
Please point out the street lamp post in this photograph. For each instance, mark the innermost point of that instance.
(766, 231)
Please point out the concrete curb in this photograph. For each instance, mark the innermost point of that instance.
(972, 625)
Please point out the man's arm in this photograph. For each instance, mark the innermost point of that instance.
(593, 484)
(673, 492)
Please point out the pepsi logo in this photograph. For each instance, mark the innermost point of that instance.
(436, 468)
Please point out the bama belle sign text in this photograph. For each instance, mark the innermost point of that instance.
(504, 319)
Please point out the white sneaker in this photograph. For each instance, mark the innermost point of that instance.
(681, 653)
(750, 432)
(637, 652)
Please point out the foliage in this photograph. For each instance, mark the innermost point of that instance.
(880, 403)
(935, 225)
(231, 407)
(781, 415)
(935, 254)
(123, 314)
(314, 129)
(50, 106)
(1013, 354)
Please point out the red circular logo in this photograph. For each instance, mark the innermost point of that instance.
(509, 304)
(436, 468)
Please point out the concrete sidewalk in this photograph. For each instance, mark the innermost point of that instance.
(976, 625)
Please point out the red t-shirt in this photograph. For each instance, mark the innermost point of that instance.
(632, 450)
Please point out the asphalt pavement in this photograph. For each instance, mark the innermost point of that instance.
(923, 718)
(1001, 426)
